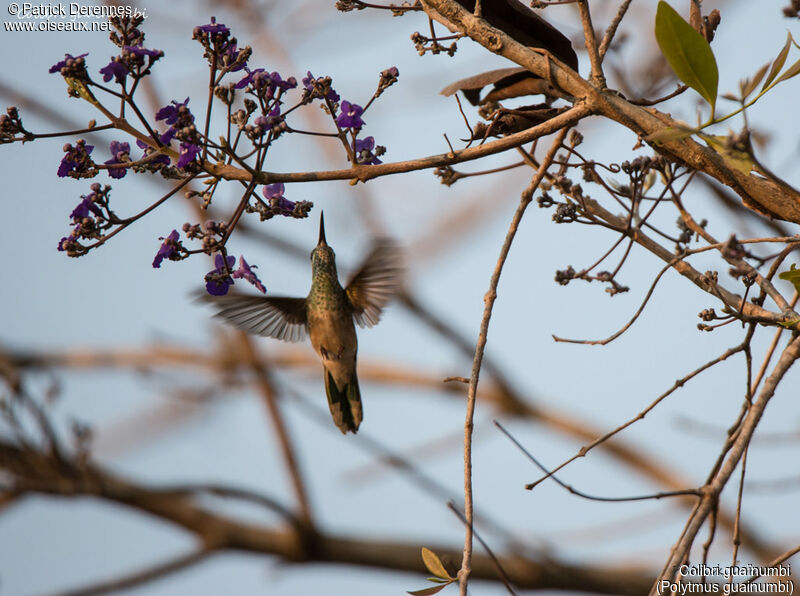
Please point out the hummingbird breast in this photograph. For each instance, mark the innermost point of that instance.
(332, 332)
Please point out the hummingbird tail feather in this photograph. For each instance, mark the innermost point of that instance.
(345, 404)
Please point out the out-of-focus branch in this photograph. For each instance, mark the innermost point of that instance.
(142, 576)
(37, 472)
(506, 402)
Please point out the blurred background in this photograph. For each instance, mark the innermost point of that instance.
(123, 340)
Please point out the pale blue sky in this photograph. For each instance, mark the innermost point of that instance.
(113, 298)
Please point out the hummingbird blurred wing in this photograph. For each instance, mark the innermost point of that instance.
(269, 316)
(375, 283)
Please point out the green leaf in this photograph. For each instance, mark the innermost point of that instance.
(793, 275)
(792, 71)
(434, 564)
(671, 133)
(80, 88)
(687, 52)
(429, 591)
(780, 60)
(734, 158)
(748, 85)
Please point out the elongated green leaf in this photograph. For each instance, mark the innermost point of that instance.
(790, 72)
(434, 564)
(748, 85)
(429, 591)
(780, 60)
(687, 52)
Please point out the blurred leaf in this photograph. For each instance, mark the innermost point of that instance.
(429, 591)
(729, 96)
(687, 52)
(81, 89)
(434, 564)
(671, 133)
(748, 85)
(792, 71)
(793, 276)
(734, 158)
(779, 61)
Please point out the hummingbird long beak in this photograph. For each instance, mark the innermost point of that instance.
(322, 241)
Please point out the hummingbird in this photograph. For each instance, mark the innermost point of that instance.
(328, 316)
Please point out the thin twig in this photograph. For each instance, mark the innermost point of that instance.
(501, 572)
(489, 299)
(597, 77)
(712, 490)
(578, 493)
(612, 29)
(640, 416)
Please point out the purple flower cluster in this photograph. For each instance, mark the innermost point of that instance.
(120, 154)
(77, 162)
(132, 59)
(88, 220)
(319, 88)
(221, 47)
(220, 279)
(181, 121)
(71, 66)
(265, 84)
(277, 204)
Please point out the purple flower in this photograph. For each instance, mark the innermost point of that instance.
(76, 160)
(115, 69)
(274, 193)
(169, 249)
(245, 271)
(171, 113)
(280, 205)
(167, 137)
(250, 77)
(218, 280)
(161, 159)
(188, 152)
(232, 55)
(350, 116)
(309, 84)
(67, 58)
(84, 208)
(140, 51)
(308, 81)
(213, 28)
(260, 78)
(120, 154)
(364, 154)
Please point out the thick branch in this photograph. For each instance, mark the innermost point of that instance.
(37, 472)
(766, 196)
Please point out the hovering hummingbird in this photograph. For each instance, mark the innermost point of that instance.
(327, 315)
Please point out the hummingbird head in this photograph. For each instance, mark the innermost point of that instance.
(323, 258)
